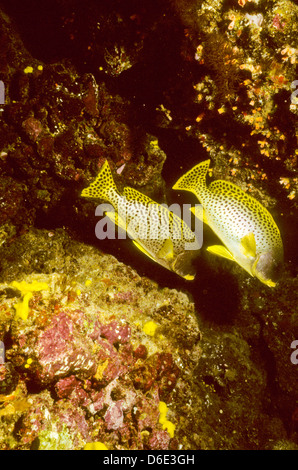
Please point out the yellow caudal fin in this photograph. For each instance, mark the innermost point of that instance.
(100, 187)
(195, 179)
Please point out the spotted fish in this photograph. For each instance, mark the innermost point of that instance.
(249, 234)
(154, 229)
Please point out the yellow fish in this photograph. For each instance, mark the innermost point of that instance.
(155, 230)
(246, 228)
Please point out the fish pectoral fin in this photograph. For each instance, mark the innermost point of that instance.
(115, 217)
(199, 213)
(189, 277)
(167, 250)
(222, 251)
(270, 283)
(143, 250)
(248, 245)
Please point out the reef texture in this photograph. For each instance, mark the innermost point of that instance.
(210, 71)
(101, 347)
(247, 51)
(57, 128)
(93, 347)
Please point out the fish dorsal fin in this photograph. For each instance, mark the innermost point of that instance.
(218, 186)
(195, 179)
(134, 195)
(232, 191)
(167, 250)
(199, 212)
(142, 249)
(222, 251)
(248, 245)
(102, 184)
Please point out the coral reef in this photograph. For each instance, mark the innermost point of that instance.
(86, 366)
(83, 366)
(57, 128)
(246, 54)
(103, 349)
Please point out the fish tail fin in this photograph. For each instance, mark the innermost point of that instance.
(195, 179)
(102, 184)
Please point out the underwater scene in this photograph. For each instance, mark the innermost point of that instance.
(148, 225)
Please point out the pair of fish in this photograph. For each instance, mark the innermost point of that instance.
(247, 230)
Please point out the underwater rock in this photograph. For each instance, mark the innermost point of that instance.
(60, 350)
(108, 372)
(280, 329)
(12, 197)
(245, 55)
(76, 342)
(114, 416)
(57, 128)
(52, 426)
(92, 356)
(116, 333)
(8, 378)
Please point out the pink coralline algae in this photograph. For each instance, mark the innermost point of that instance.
(33, 128)
(159, 440)
(73, 418)
(66, 387)
(61, 350)
(116, 332)
(112, 363)
(277, 23)
(46, 417)
(141, 352)
(88, 371)
(114, 415)
(80, 394)
(90, 98)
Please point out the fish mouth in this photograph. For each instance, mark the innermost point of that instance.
(267, 268)
(183, 265)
